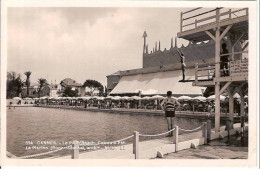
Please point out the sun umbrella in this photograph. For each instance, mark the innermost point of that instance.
(146, 98)
(236, 95)
(124, 98)
(200, 98)
(17, 98)
(212, 97)
(108, 97)
(184, 98)
(100, 98)
(157, 97)
(115, 98)
(134, 98)
(27, 98)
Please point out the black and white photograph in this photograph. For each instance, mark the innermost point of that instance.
(118, 83)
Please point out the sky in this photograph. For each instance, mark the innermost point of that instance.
(85, 43)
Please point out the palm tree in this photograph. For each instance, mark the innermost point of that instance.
(42, 82)
(27, 82)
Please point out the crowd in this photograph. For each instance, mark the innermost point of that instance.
(196, 104)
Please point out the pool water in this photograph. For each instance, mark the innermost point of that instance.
(60, 125)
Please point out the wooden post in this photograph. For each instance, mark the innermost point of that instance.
(204, 132)
(196, 72)
(217, 75)
(196, 24)
(208, 130)
(229, 14)
(181, 22)
(176, 137)
(75, 152)
(136, 144)
(217, 15)
(242, 110)
(209, 67)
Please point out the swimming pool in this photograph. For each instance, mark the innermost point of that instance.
(34, 124)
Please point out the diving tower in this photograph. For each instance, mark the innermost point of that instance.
(222, 25)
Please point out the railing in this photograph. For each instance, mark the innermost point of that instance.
(203, 18)
(206, 72)
(206, 128)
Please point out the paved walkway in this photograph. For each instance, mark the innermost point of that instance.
(217, 149)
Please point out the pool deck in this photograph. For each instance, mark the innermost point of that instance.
(149, 149)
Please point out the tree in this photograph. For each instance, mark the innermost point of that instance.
(19, 84)
(14, 85)
(93, 85)
(27, 82)
(42, 83)
(68, 92)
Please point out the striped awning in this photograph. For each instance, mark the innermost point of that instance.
(158, 83)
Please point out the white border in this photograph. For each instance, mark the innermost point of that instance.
(252, 158)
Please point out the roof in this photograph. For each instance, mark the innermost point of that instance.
(70, 82)
(115, 73)
(158, 83)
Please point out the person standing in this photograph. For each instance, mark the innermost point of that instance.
(168, 105)
(183, 65)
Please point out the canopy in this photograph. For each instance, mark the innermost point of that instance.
(158, 83)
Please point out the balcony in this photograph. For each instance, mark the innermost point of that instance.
(195, 22)
(236, 71)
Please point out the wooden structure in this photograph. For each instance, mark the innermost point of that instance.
(220, 25)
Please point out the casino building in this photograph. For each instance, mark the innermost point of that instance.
(161, 70)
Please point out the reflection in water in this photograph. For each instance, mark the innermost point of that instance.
(46, 124)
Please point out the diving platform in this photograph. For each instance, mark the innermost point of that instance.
(228, 73)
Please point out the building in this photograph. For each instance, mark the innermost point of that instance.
(68, 82)
(162, 69)
(49, 90)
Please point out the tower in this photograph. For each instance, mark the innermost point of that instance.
(144, 36)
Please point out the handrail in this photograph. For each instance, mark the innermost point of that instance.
(192, 129)
(216, 16)
(123, 139)
(157, 134)
(202, 13)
